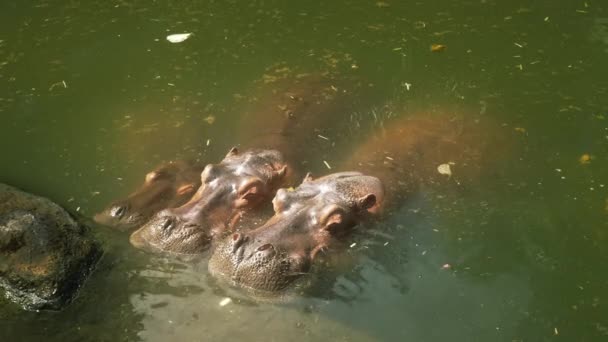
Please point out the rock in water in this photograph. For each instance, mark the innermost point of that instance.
(45, 255)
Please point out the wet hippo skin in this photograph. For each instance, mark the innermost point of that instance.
(285, 115)
(239, 183)
(317, 216)
(167, 186)
(406, 154)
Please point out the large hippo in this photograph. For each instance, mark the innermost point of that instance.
(285, 110)
(45, 255)
(169, 185)
(316, 217)
(412, 153)
(240, 182)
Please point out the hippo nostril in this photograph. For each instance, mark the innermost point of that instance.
(238, 241)
(167, 223)
(264, 247)
(118, 211)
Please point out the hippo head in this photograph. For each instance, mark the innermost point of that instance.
(170, 185)
(238, 183)
(315, 217)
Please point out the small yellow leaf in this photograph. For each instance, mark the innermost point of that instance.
(585, 158)
(438, 47)
(520, 129)
(210, 119)
(444, 169)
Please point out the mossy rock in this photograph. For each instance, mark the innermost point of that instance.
(45, 254)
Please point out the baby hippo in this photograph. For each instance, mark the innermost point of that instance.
(268, 261)
(240, 182)
(169, 185)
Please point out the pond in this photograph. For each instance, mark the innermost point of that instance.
(93, 95)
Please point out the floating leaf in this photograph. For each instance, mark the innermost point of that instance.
(225, 301)
(585, 158)
(209, 119)
(438, 47)
(178, 38)
(444, 169)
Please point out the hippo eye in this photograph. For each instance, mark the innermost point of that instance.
(250, 192)
(118, 211)
(332, 218)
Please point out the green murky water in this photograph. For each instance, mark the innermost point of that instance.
(92, 96)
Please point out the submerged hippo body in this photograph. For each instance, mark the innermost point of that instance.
(283, 111)
(288, 111)
(401, 159)
(406, 155)
(240, 182)
(169, 185)
(271, 260)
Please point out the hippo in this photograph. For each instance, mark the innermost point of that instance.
(269, 261)
(240, 182)
(284, 111)
(169, 185)
(405, 157)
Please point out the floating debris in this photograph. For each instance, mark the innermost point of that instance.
(520, 129)
(446, 266)
(327, 164)
(225, 301)
(57, 84)
(444, 169)
(353, 244)
(178, 38)
(585, 159)
(209, 119)
(322, 137)
(438, 47)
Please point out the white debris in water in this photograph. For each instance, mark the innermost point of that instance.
(225, 301)
(327, 164)
(322, 137)
(353, 244)
(407, 86)
(178, 38)
(444, 169)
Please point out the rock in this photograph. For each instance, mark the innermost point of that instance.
(45, 255)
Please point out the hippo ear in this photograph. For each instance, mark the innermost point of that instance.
(307, 178)
(281, 172)
(366, 202)
(233, 152)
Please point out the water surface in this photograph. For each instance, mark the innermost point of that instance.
(92, 96)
